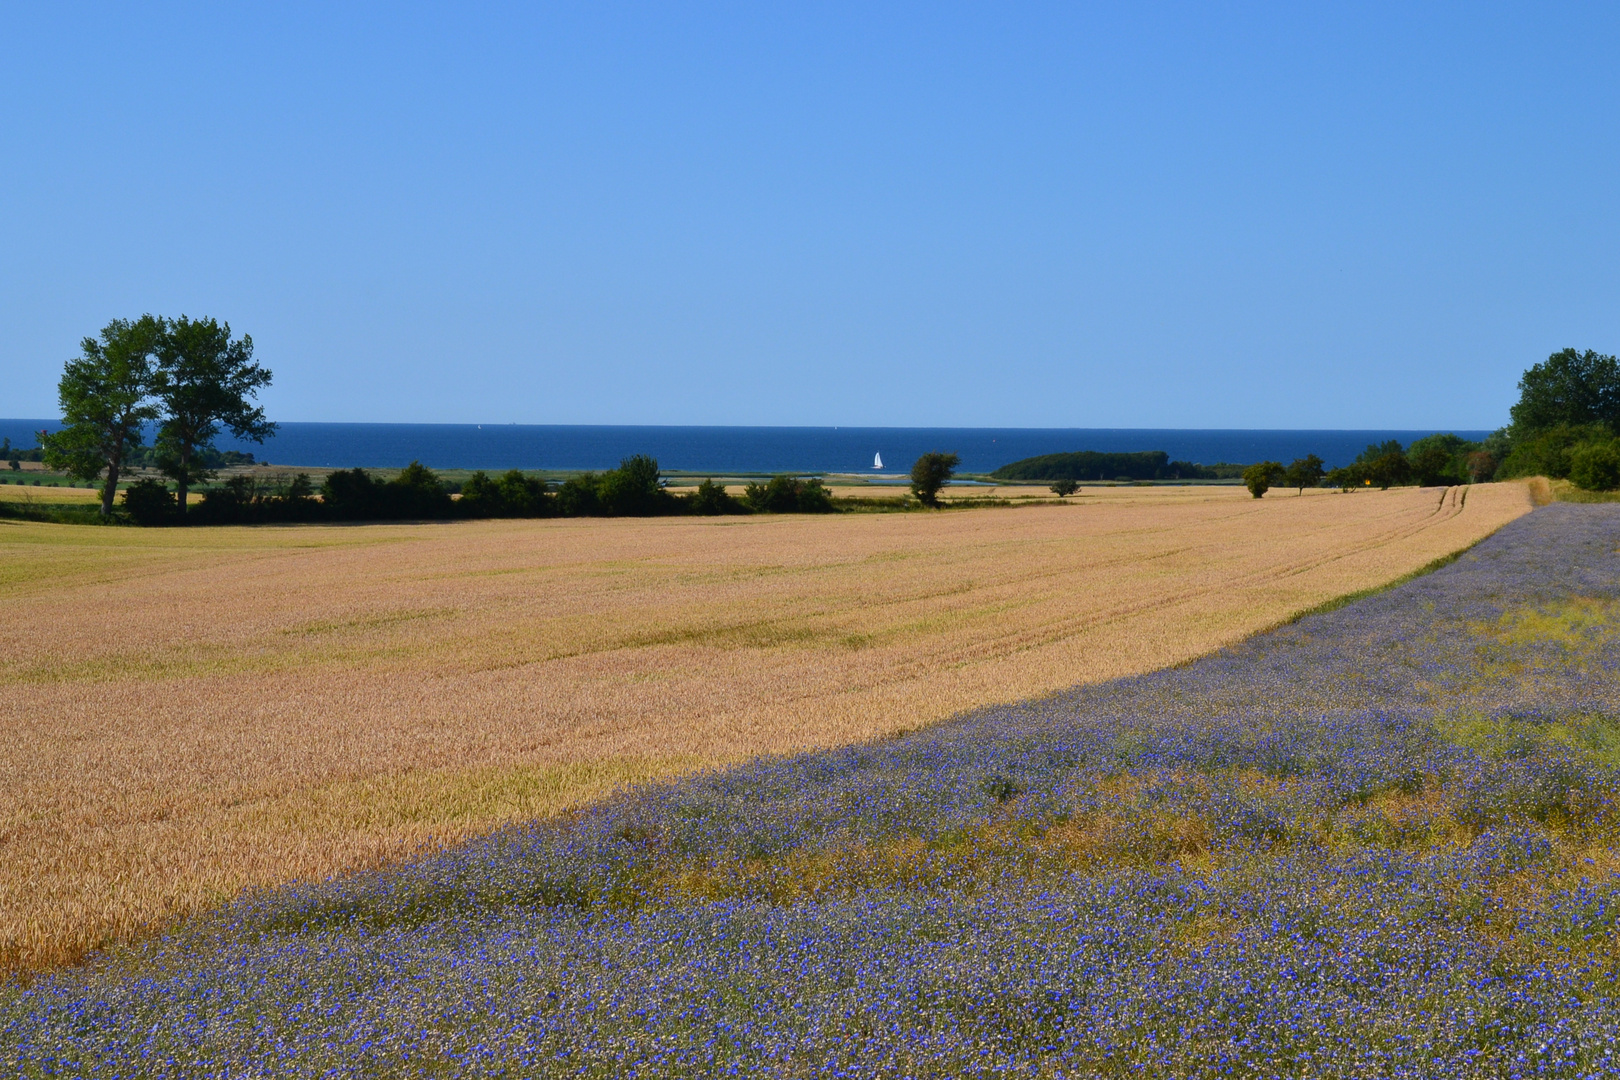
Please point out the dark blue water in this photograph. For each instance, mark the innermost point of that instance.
(755, 449)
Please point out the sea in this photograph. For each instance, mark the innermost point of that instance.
(736, 451)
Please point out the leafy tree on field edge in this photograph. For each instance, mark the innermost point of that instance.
(205, 380)
(1304, 472)
(931, 472)
(1569, 389)
(1259, 477)
(105, 396)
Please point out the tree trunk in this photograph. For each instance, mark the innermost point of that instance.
(185, 474)
(109, 490)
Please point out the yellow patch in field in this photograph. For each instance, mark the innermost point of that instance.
(1580, 622)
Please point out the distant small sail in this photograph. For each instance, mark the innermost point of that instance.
(877, 461)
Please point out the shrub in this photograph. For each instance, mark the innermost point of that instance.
(356, 495)
(711, 499)
(814, 498)
(247, 500)
(577, 496)
(1261, 475)
(634, 489)
(523, 496)
(1065, 488)
(786, 494)
(1595, 466)
(351, 495)
(512, 494)
(149, 502)
(226, 503)
(479, 497)
(931, 472)
(417, 493)
(1547, 452)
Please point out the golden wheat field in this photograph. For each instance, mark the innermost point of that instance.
(188, 713)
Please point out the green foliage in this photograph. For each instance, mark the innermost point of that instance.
(415, 494)
(1304, 472)
(149, 502)
(1595, 466)
(634, 490)
(299, 487)
(480, 497)
(15, 456)
(512, 494)
(786, 494)
(204, 380)
(1547, 452)
(55, 513)
(1447, 458)
(1095, 465)
(1382, 464)
(1438, 459)
(711, 499)
(247, 499)
(779, 496)
(1260, 476)
(931, 472)
(105, 397)
(349, 495)
(1065, 487)
(1570, 390)
(577, 496)
(1434, 459)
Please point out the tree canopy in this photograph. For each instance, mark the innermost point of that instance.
(105, 396)
(931, 472)
(1259, 477)
(206, 381)
(1569, 389)
(1304, 472)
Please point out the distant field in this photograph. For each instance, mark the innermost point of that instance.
(191, 712)
(21, 492)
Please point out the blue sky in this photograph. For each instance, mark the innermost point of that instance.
(1214, 215)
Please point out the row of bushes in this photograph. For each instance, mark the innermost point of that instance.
(1583, 453)
(1432, 461)
(634, 489)
(1588, 455)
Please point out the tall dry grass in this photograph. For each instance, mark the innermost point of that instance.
(189, 713)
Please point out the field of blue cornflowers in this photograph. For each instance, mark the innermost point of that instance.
(1378, 842)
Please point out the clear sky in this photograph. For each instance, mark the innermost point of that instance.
(1209, 215)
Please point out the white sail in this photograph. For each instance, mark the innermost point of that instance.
(877, 461)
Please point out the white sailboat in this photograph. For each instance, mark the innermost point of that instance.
(877, 461)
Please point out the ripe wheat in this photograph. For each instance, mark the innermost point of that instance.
(189, 713)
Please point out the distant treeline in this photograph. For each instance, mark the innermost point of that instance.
(1097, 465)
(634, 489)
(1436, 459)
